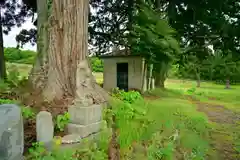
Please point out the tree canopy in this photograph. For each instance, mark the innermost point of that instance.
(215, 23)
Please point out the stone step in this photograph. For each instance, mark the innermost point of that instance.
(71, 139)
(84, 130)
(82, 144)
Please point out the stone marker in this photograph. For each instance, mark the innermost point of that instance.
(84, 120)
(11, 132)
(44, 128)
(85, 115)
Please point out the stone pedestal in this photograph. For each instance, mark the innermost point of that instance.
(84, 130)
(84, 121)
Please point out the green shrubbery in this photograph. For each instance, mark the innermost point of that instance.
(156, 130)
(97, 65)
(61, 121)
(14, 55)
(218, 67)
(130, 120)
(129, 97)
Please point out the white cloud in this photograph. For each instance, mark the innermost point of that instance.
(9, 40)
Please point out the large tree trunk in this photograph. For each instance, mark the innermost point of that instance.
(227, 84)
(159, 81)
(3, 74)
(66, 70)
(160, 74)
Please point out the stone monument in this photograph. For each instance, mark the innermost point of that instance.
(11, 132)
(84, 120)
(44, 128)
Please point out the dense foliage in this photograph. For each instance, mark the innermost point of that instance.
(128, 97)
(97, 64)
(152, 36)
(217, 67)
(15, 55)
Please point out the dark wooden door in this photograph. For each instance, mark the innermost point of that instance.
(122, 76)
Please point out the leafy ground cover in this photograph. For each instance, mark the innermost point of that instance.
(180, 122)
(221, 106)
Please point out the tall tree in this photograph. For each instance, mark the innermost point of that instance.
(2, 59)
(65, 70)
(109, 23)
(154, 39)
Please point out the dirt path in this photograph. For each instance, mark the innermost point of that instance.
(221, 137)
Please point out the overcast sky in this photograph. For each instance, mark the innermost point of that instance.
(9, 40)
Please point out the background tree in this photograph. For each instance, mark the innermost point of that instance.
(12, 14)
(193, 66)
(110, 23)
(222, 67)
(153, 38)
(196, 26)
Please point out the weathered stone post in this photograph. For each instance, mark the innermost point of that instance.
(44, 128)
(11, 132)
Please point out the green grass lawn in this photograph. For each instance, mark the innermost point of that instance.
(199, 130)
(210, 92)
(99, 77)
(222, 112)
(23, 69)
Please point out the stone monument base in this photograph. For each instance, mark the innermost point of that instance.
(81, 143)
(84, 130)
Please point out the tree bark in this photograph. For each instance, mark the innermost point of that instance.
(159, 81)
(66, 70)
(198, 83)
(150, 76)
(3, 73)
(227, 84)
(160, 74)
(198, 80)
(38, 73)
